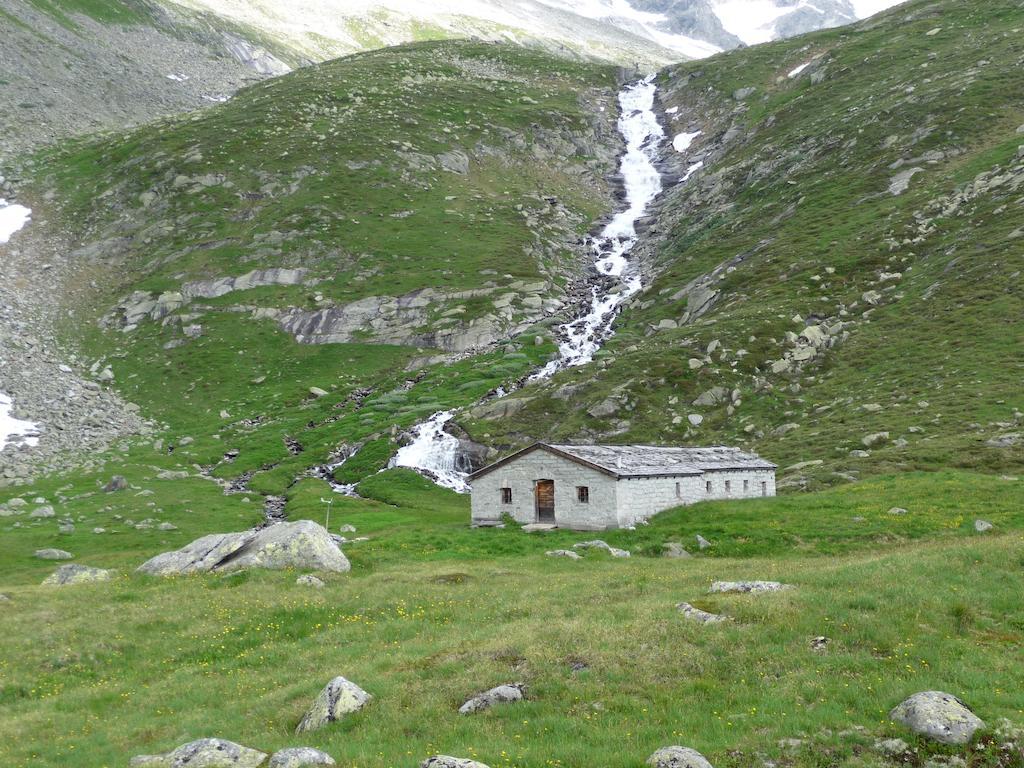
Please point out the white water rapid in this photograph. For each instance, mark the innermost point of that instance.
(435, 451)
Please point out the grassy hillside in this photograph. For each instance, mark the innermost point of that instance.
(440, 187)
(909, 302)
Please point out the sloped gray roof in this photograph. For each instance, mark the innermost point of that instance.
(646, 460)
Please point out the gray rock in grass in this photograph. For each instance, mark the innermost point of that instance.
(339, 697)
(938, 716)
(502, 694)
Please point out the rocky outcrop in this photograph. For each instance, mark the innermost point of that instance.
(204, 753)
(938, 716)
(748, 587)
(339, 697)
(68, 575)
(502, 694)
(302, 545)
(408, 319)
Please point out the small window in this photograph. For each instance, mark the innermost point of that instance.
(506, 495)
(764, 489)
(583, 494)
(728, 486)
(746, 486)
(679, 491)
(708, 486)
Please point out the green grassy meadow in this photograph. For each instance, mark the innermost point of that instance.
(433, 611)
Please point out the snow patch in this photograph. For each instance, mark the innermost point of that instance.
(12, 218)
(692, 170)
(683, 141)
(796, 72)
(177, 77)
(15, 430)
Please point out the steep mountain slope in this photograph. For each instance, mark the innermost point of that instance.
(77, 66)
(839, 283)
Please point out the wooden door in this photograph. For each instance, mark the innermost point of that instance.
(545, 495)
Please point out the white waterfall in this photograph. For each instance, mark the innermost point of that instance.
(436, 452)
(643, 133)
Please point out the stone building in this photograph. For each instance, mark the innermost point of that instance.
(595, 487)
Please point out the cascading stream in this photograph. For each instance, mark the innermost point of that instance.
(434, 451)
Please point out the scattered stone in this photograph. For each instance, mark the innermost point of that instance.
(77, 574)
(675, 550)
(891, 747)
(317, 392)
(502, 694)
(695, 419)
(446, 761)
(339, 697)
(897, 511)
(938, 716)
(309, 580)
(702, 542)
(66, 528)
(43, 512)
(204, 753)
(347, 529)
(117, 483)
(870, 441)
(598, 544)
(983, 526)
(53, 554)
(303, 545)
(170, 474)
(537, 527)
(701, 617)
(564, 553)
(819, 643)
(167, 527)
(677, 757)
(748, 587)
(299, 757)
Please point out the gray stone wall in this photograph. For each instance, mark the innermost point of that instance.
(739, 484)
(521, 475)
(642, 498)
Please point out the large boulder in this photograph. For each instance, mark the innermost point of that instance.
(339, 697)
(299, 757)
(70, 574)
(445, 761)
(303, 545)
(502, 694)
(938, 716)
(204, 753)
(677, 757)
